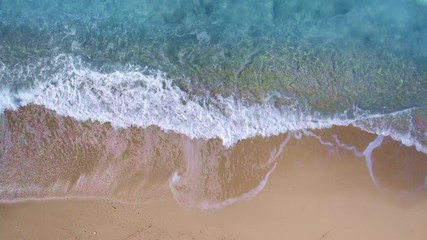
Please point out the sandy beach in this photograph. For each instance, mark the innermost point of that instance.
(213, 120)
(314, 191)
(312, 211)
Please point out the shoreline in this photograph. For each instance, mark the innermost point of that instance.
(48, 156)
(318, 184)
(310, 209)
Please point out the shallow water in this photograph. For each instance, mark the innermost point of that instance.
(47, 156)
(325, 55)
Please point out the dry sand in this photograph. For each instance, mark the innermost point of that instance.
(272, 215)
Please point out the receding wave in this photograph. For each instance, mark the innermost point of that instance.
(140, 97)
(45, 155)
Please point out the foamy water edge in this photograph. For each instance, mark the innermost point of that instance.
(137, 97)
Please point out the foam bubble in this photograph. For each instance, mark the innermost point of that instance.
(130, 97)
(398, 125)
(135, 96)
(211, 205)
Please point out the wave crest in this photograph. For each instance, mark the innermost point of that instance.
(136, 96)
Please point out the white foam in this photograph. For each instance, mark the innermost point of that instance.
(397, 125)
(134, 97)
(212, 205)
(7, 101)
(189, 190)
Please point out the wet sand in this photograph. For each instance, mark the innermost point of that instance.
(148, 184)
(310, 208)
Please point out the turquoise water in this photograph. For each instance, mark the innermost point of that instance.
(255, 67)
(329, 55)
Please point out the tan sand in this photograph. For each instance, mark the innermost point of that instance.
(314, 191)
(302, 200)
(272, 215)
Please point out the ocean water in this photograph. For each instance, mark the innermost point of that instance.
(79, 77)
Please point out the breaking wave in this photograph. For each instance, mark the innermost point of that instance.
(135, 96)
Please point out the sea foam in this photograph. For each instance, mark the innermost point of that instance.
(135, 96)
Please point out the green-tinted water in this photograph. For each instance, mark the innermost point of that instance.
(329, 55)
